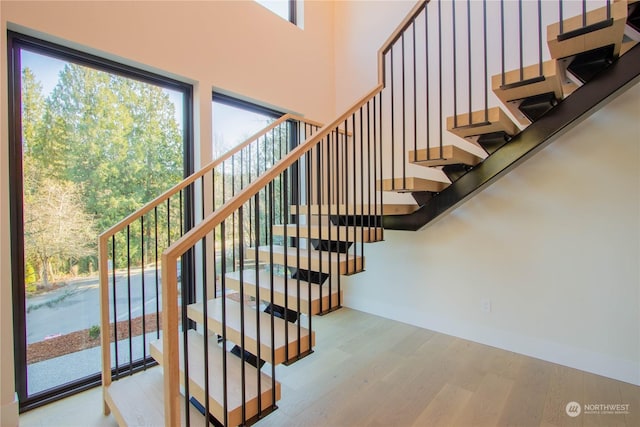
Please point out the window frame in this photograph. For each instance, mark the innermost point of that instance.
(16, 42)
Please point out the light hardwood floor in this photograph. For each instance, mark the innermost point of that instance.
(370, 371)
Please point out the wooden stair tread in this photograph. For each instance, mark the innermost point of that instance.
(128, 408)
(498, 121)
(195, 312)
(611, 35)
(552, 83)
(385, 209)
(249, 276)
(412, 183)
(327, 262)
(332, 232)
(450, 155)
(216, 375)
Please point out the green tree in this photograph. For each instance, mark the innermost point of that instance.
(119, 139)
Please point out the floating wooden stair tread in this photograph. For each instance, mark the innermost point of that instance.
(496, 120)
(216, 375)
(531, 84)
(195, 312)
(386, 209)
(450, 155)
(138, 400)
(334, 233)
(411, 184)
(329, 296)
(327, 262)
(601, 34)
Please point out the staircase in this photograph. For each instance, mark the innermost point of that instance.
(242, 279)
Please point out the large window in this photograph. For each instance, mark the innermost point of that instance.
(96, 140)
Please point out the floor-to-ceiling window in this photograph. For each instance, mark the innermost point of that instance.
(91, 142)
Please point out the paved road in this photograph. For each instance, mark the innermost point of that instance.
(77, 306)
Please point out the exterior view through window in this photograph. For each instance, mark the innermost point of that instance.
(95, 146)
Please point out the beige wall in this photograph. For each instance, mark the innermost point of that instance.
(238, 47)
(554, 245)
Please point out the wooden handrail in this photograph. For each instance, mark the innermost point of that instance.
(413, 13)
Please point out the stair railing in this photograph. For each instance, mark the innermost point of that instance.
(329, 171)
(440, 70)
(129, 252)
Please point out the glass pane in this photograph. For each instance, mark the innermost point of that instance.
(96, 146)
(279, 7)
(234, 125)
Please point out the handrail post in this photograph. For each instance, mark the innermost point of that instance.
(105, 330)
(170, 346)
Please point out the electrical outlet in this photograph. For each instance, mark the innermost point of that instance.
(485, 305)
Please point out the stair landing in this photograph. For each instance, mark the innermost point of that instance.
(123, 397)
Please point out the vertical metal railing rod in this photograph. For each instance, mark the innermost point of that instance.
(243, 373)
(257, 300)
(361, 188)
(440, 133)
(486, 52)
(143, 295)
(540, 65)
(271, 290)
(415, 94)
(520, 40)
(205, 310)
(560, 18)
(502, 65)
(470, 88)
(393, 122)
(225, 373)
(115, 304)
(129, 326)
(157, 275)
(455, 68)
(355, 191)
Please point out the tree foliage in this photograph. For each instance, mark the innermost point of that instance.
(96, 149)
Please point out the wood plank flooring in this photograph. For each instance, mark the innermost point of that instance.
(370, 371)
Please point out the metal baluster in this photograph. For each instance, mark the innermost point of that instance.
(223, 267)
(115, 303)
(157, 275)
(455, 70)
(205, 309)
(129, 299)
(144, 325)
(404, 124)
(469, 56)
(393, 122)
(520, 40)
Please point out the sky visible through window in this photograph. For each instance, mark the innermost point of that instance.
(47, 69)
(279, 7)
(232, 126)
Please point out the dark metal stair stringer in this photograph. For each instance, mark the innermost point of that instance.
(586, 100)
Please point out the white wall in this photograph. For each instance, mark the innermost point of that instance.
(238, 47)
(554, 244)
